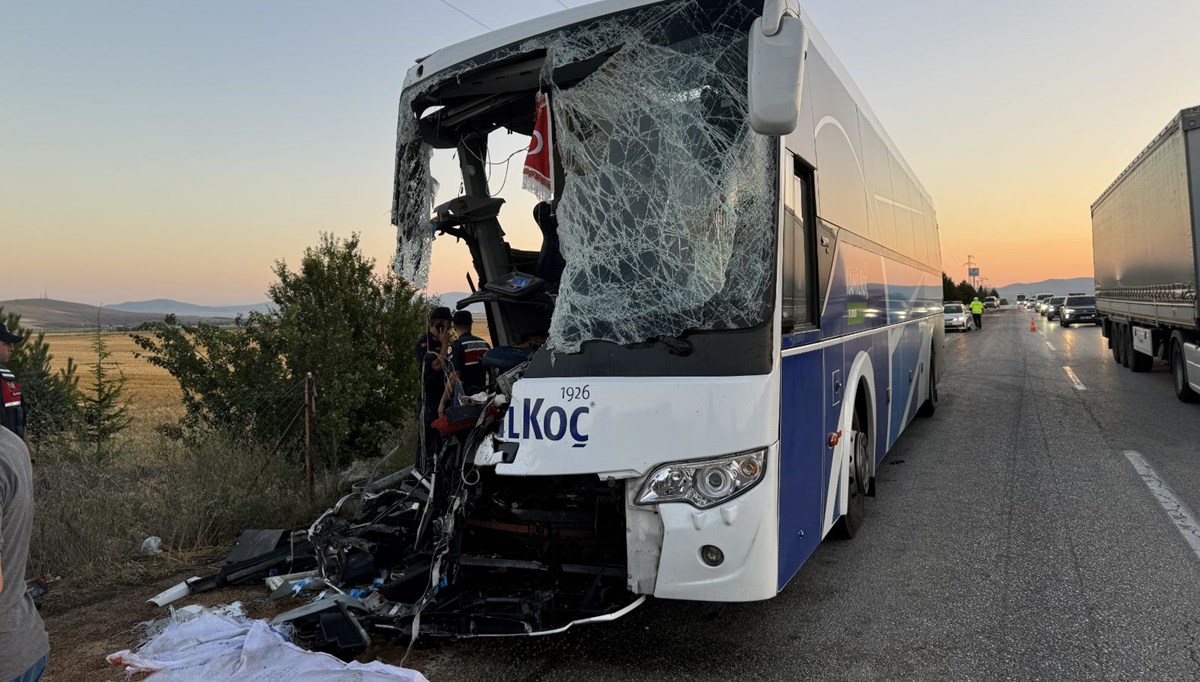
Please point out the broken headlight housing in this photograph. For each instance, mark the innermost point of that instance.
(704, 483)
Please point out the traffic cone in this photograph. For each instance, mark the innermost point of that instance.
(1032, 325)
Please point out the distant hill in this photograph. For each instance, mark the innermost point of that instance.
(165, 306)
(45, 314)
(1058, 287)
(450, 299)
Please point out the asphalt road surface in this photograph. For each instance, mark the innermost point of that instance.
(1012, 538)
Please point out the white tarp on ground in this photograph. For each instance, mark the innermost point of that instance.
(212, 646)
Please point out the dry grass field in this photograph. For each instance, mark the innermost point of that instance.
(153, 394)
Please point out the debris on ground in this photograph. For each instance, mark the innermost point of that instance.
(202, 644)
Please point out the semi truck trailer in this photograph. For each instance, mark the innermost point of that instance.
(1146, 245)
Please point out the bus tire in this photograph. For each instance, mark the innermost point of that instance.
(929, 407)
(859, 471)
(1179, 377)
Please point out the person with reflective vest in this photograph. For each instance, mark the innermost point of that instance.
(12, 406)
(977, 312)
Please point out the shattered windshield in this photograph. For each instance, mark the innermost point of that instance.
(667, 200)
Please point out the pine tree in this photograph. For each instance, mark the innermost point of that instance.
(105, 408)
(51, 396)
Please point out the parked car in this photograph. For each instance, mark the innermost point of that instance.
(991, 303)
(1077, 309)
(1054, 306)
(957, 317)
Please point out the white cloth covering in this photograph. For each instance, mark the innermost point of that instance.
(213, 646)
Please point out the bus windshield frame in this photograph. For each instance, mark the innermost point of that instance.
(666, 202)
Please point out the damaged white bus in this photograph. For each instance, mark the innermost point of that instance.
(743, 318)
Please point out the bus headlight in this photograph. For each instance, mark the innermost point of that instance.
(704, 483)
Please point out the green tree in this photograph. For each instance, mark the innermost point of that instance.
(966, 292)
(949, 290)
(52, 397)
(334, 316)
(105, 409)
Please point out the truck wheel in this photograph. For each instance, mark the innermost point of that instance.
(1179, 373)
(1126, 339)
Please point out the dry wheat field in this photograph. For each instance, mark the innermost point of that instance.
(153, 394)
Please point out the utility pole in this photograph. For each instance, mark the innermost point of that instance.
(972, 270)
(309, 400)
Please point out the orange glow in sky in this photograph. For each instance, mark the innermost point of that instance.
(177, 150)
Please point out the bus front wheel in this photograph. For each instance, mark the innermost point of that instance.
(860, 472)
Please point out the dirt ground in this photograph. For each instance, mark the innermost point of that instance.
(86, 625)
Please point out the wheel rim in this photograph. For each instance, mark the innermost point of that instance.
(858, 467)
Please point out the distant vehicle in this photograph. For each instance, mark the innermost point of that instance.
(1020, 299)
(956, 317)
(1079, 309)
(1145, 241)
(1039, 302)
(1052, 306)
(991, 302)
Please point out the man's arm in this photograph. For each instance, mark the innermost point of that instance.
(447, 393)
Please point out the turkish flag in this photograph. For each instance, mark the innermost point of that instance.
(539, 160)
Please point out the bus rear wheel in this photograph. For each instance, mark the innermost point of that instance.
(929, 407)
(860, 472)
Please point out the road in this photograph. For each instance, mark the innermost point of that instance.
(1012, 538)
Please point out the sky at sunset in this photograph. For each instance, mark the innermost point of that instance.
(177, 149)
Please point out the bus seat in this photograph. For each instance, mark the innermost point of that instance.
(550, 262)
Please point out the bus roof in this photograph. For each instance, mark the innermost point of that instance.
(429, 66)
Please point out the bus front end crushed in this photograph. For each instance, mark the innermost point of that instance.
(624, 443)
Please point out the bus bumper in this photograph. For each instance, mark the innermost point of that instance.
(745, 530)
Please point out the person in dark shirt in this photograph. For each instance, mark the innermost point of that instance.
(467, 376)
(13, 415)
(432, 348)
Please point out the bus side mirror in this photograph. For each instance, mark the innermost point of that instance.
(776, 69)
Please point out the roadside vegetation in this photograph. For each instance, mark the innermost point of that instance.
(963, 291)
(192, 433)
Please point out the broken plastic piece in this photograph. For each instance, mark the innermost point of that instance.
(328, 603)
(273, 582)
(255, 542)
(178, 591)
(340, 634)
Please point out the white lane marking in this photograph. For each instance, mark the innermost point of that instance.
(1049, 345)
(1178, 512)
(1074, 379)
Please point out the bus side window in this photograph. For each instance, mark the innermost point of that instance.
(799, 245)
(787, 238)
